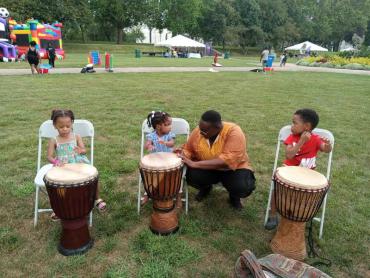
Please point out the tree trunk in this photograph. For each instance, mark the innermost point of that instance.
(150, 35)
(83, 36)
(119, 35)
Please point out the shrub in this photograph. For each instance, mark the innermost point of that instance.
(330, 65)
(346, 54)
(360, 60)
(354, 66)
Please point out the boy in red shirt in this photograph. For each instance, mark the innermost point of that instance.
(301, 148)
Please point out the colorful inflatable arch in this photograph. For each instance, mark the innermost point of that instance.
(42, 34)
(8, 52)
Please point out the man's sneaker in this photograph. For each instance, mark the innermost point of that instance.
(235, 203)
(203, 192)
(272, 223)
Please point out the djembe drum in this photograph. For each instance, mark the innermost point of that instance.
(299, 193)
(161, 174)
(71, 189)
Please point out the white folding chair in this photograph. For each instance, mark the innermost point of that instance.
(46, 131)
(179, 127)
(283, 134)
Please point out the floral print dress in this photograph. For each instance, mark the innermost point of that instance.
(66, 152)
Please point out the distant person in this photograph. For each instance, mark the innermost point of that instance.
(33, 57)
(283, 59)
(264, 56)
(51, 54)
(174, 53)
(308, 51)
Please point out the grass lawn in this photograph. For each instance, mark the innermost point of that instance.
(124, 56)
(213, 235)
(78, 60)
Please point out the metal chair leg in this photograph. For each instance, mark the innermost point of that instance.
(36, 206)
(269, 202)
(139, 197)
(90, 219)
(186, 199)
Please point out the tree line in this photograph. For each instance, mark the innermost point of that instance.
(241, 23)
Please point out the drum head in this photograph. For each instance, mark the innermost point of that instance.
(160, 161)
(71, 173)
(301, 177)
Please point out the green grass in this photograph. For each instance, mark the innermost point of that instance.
(124, 56)
(213, 235)
(78, 60)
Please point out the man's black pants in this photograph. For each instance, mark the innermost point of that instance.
(239, 183)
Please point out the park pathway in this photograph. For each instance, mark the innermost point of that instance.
(287, 68)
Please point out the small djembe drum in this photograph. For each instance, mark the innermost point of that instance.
(72, 190)
(161, 174)
(299, 193)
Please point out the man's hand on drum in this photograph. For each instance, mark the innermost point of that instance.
(187, 161)
(177, 151)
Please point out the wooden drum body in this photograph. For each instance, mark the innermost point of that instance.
(71, 189)
(299, 193)
(161, 174)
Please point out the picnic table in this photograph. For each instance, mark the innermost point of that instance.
(153, 53)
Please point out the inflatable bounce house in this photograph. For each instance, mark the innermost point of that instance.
(8, 52)
(22, 34)
(42, 34)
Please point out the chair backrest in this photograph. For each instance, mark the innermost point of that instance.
(286, 131)
(82, 127)
(179, 127)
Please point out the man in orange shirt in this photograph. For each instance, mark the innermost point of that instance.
(216, 152)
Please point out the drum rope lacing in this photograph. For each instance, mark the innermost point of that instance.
(312, 253)
(64, 185)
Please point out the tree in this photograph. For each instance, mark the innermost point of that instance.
(250, 32)
(181, 16)
(219, 22)
(155, 15)
(120, 14)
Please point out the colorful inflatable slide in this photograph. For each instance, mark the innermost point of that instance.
(15, 37)
(42, 34)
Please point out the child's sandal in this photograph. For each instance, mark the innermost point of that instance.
(144, 200)
(178, 202)
(100, 205)
(54, 217)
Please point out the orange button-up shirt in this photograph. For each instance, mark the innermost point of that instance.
(230, 146)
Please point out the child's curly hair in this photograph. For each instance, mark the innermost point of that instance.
(57, 113)
(157, 117)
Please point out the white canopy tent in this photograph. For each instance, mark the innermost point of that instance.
(180, 41)
(348, 49)
(306, 45)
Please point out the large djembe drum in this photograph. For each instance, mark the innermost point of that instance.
(71, 190)
(161, 174)
(299, 193)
